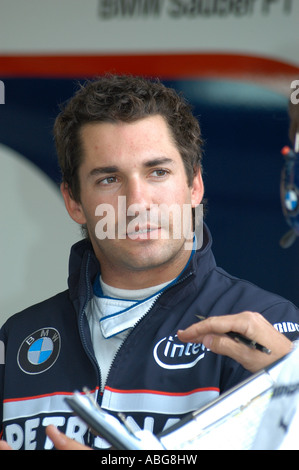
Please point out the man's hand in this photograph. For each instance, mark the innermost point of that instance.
(211, 333)
(4, 446)
(60, 441)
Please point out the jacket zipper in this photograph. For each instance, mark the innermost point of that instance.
(86, 347)
(140, 320)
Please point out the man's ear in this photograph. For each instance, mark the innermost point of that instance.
(197, 189)
(73, 207)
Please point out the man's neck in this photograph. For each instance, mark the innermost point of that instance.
(130, 294)
(131, 279)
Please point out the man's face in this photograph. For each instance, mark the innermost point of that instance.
(130, 174)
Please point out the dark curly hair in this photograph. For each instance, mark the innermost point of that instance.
(123, 98)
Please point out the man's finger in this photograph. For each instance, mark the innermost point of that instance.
(4, 446)
(62, 442)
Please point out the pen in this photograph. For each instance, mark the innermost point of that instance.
(242, 339)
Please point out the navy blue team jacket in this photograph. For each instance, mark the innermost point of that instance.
(154, 380)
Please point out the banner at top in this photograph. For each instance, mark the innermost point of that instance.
(266, 28)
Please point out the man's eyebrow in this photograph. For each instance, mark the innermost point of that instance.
(103, 170)
(158, 161)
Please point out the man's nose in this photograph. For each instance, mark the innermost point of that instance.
(138, 194)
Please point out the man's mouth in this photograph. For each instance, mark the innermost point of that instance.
(145, 233)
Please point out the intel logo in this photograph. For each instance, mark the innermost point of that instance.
(170, 353)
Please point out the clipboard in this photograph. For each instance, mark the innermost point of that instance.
(230, 422)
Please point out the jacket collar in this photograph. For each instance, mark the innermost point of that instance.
(203, 261)
(84, 266)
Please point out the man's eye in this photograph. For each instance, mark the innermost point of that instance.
(108, 180)
(160, 173)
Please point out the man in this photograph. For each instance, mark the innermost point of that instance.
(129, 150)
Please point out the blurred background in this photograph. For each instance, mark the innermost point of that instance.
(236, 62)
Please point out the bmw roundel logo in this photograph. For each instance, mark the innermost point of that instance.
(291, 200)
(39, 351)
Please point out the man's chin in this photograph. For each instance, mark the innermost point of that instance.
(150, 254)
